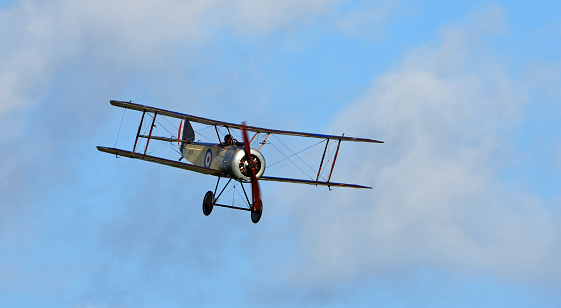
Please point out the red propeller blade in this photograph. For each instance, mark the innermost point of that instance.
(252, 173)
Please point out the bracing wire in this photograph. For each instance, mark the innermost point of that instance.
(286, 164)
(244, 199)
(296, 154)
(292, 161)
(119, 131)
(171, 124)
(205, 136)
(170, 145)
(162, 126)
(287, 157)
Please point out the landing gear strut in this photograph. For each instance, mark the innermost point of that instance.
(209, 202)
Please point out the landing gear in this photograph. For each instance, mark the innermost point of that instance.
(208, 203)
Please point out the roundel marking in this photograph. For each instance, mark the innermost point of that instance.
(208, 158)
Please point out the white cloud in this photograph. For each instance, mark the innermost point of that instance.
(366, 19)
(438, 199)
(258, 17)
(44, 40)
(61, 61)
(114, 40)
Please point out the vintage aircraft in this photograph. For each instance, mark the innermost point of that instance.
(228, 158)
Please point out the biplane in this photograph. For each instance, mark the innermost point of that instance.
(227, 159)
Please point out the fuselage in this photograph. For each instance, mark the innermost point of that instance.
(229, 158)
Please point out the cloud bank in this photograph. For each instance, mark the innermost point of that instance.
(113, 42)
(446, 113)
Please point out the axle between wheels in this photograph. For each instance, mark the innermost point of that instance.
(209, 202)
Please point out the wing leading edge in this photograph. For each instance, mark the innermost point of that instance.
(205, 121)
(311, 182)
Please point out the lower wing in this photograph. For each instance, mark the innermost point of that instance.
(163, 161)
(215, 172)
(310, 182)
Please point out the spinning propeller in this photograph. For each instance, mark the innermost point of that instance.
(257, 206)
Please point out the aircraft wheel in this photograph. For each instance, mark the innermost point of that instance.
(208, 203)
(256, 215)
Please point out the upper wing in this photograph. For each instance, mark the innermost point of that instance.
(163, 161)
(188, 117)
(310, 182)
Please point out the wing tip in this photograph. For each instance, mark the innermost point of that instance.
(101, 148)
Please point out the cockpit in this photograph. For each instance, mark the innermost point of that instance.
(229, 140)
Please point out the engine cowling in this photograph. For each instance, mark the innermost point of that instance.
(236, 164)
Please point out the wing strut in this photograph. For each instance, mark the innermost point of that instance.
(150, 135)
(334, 159)
(139, 127)
(264, 141)
(322, 157)
(217, 135)
(256, 133)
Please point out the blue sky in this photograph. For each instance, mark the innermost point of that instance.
(465, 205)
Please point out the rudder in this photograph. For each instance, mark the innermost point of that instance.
(186, 133)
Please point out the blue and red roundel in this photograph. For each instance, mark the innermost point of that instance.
(208, 158)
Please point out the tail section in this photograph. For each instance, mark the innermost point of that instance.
(185, 133)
